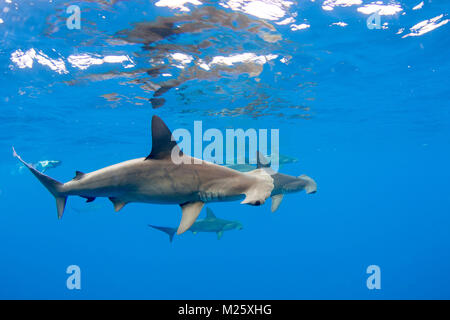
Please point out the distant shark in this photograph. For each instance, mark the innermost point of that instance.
(210, 224)
(246, 165)
(284, 183)
(158, 179)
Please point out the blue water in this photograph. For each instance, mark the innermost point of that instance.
(365, 112)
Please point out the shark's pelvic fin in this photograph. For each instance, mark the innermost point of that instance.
(210, 214)
(169, 231)
(276, 201)
(191, 210)
(219, 235)
(52, 185)
(260, 191)
(118, 204)
(162, 141)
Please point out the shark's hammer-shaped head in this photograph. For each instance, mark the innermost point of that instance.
(238, 225)
(300, 183)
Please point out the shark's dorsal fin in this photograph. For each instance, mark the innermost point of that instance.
(78, 175)
(210, 214)
(262, 161)
(162, 140)
(191, 210)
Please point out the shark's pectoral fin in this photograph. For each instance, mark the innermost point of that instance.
(261, 188)
(191, 210)
(276, 201)
(118, 204)
(219, 235)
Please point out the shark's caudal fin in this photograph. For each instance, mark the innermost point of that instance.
(52, 185)
(169, 231)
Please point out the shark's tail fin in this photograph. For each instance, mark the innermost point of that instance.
(52, 185)
(169, 231)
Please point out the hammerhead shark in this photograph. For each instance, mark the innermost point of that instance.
(210, 224)
(245, 164)
(284, 183)
(187, 182)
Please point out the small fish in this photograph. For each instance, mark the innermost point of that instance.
(210, 224)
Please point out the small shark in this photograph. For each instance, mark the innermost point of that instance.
(187, 182)
(247, 166)
(210, 224)
(284, 183)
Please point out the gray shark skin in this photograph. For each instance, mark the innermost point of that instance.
(210, 224)
(158, 179)
(284, 184)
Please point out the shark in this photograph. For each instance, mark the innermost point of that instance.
(246, 163)
(209, 224)
(283, 183)
(157, 178)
